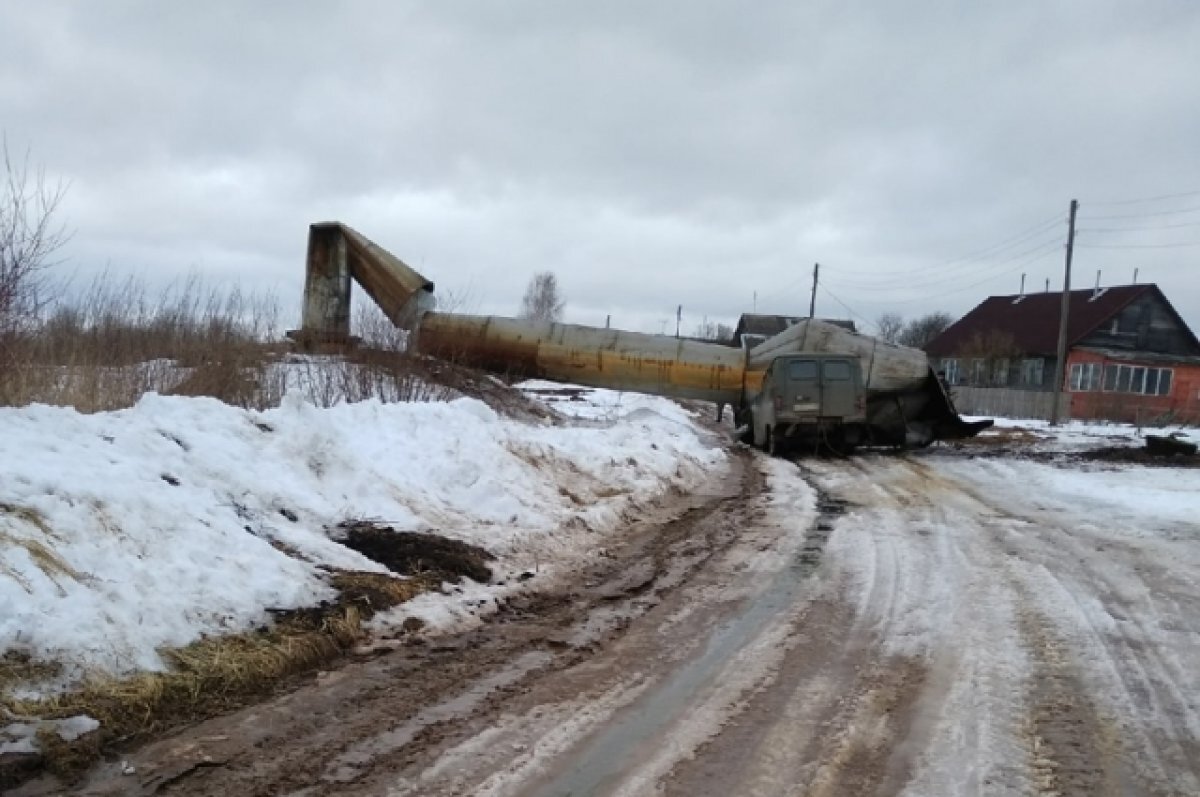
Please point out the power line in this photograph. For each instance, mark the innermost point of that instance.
(1033, 258)
(987, 251)
(1140, 246)
(992, 269)
(1143, 215)
(892, 279)
(1006, 243)
(846, 307)
(1144, 199)
(1141, 229)
(903, 279)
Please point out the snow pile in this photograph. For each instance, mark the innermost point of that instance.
(126, 531)
(1076, 435)
(601, 406)
(1129, 500)
(21, 737)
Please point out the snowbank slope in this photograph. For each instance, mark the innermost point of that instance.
(126, 531)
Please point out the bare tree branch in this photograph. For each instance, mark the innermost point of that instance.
(918, 332)
(542, 300)
(891, 326)
(30, 235)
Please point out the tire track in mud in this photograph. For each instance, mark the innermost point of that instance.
(833, 715)
(858, 750)
(354, 730)
(1072, 749)
(1075, 745)
(1057, 739)
(700, 689)
(1157, 754)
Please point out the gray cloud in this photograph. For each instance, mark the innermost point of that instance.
(650, 153)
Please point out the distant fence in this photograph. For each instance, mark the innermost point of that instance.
(1003, 402)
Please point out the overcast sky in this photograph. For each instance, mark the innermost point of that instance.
(649, 153)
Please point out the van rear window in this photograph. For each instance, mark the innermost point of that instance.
(802, 369)
(837, 370)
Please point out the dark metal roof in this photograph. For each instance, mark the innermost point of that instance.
(771, 325)
(1032, 319)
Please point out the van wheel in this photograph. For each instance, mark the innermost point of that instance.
(771, 443)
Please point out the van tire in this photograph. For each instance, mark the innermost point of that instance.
(744, 420)
(771, 443)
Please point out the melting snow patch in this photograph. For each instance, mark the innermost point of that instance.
(104, 559)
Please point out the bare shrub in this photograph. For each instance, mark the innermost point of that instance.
(107, 346)
(918, 332)
(543, 301)
(890, 326)
(30, 236)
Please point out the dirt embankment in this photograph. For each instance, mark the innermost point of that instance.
(220, 674)
(367, 718)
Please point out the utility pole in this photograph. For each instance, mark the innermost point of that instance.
(812, 303)
(1060, 365)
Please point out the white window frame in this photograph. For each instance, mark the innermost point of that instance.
(1033, 371)
(1000, 372)
(1085, 377)
(950, 367)
(979, 372)
(1125, 379)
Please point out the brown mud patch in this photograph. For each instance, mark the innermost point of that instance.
(1140, 456)
(415, 553)
(209, 677)
(1072, 748)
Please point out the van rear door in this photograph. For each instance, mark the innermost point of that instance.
(802, 394)
(838, 388)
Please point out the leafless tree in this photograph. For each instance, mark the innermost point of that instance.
(890, 326)
(30, 235)
(712, 330)
(992, 357)
(918, 332)
(542, 300)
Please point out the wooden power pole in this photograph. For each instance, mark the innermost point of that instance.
(812, 303)
(1060, 365)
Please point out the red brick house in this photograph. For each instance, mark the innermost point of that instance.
(1130, 356)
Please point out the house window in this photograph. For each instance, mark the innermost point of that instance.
(1085, 377)
(1031, 371)
(1000, 372)
(950, 367)
(1138, 379)
(979, 373)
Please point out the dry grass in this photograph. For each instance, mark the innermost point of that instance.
(104, 349)
(41, 552)
(18, 670)
(208, 677)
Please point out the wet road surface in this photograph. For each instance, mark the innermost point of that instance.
(882, 625)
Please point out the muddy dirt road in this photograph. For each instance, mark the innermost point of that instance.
(882, 625)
